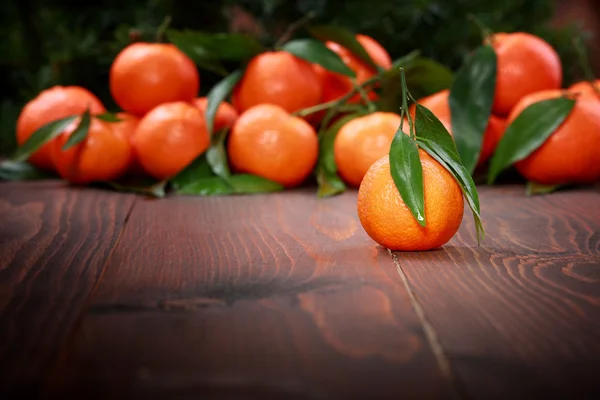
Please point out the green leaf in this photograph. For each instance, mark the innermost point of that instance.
(219, 46)
(237, 184)
(22, 171)
(344, 38)
(534, 188)
(80, 131)
(425, 76)
(528, 132)
(42, 136)
(471, 99)
(216, 156)
(219, 93)
(198, 53)
(108, 117)
(316, 52)
(433, 137)
(407, 172)
(206, 186)
(246, 183)
(153, 189)
(199, 168)
(328, 180)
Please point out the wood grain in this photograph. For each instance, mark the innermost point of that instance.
(519, 317)
(275, 296)
(53, 246)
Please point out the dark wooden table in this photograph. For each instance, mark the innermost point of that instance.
(115, 296)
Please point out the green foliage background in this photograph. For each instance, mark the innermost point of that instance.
(51, 42)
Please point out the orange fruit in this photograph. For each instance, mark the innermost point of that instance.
(103, 155)
(387, 220)
(127, 127)
(337, 85)
(279, 78)
(144, 75)
(584, 87)
(224, 118)
(49, 105)
(526, 64)
(362, 141)
(169, 138)
(438, 104)
(267, 141)
(572, 152)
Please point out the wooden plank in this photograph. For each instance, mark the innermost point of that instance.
(54, 244)
(519, 317)
(274, 296)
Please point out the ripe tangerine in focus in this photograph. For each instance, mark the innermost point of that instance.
(279, 78)
(572, 152)
(169, 138)
(526, 64)
(224, 118)
(388, 221)
(362, 141)
(144, 75)
(49, 105)
(267, 141)
(102, 156)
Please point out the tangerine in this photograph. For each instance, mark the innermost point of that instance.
(49, 105)
(279, 78)
(388, 221)
(526, 64)
(267, 141)
(572, 152)
(144, 75)
(103, 155)
(362, 141)
(169, 138)
(127, 127)
(224, 118)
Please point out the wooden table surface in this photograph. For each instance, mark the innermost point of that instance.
(107, 295)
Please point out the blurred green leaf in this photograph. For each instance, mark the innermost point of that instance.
(216, 156)
(316, 52)
(218, 94)
(471, 98)
(237, 184)
(199, 168)
(42, 136)
(22, 171)
(534, 188)
(152, 189)
(108, 117)
(80, 131)
(216, 46)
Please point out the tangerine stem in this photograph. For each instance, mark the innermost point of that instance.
(160, 32)
(333, 103)
(404, 108)
(486, 32)
(285, 36)
(363, 94)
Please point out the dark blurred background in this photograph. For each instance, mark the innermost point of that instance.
(50, 42)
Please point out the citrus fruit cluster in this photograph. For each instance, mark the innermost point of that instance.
(318, 107)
